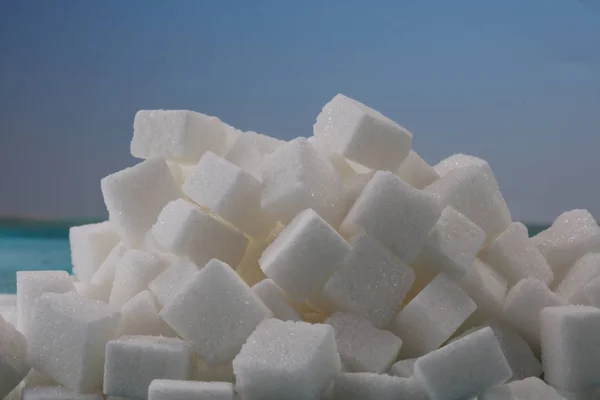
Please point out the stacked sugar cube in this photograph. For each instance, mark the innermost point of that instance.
(340, 266)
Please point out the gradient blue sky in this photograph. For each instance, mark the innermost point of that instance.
(515, 82)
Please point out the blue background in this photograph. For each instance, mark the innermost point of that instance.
(515, 82)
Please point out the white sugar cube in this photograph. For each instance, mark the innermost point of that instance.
(371, 282)
(585, 270)
(90, 245)
(573, 234)
(534, 389)
(416, 172)
(102, 281)
(432, 317)
(571, 346)
(272, 296)
(352, 187)
(166, 389)
(67, 337)
(8, 300)
(457, 161)
(135, 196)
(474, 192)
(304, 255)
(56, 393)
(398, 215)
(170, 282)
(362, 134)
(296, 177)
(189, 231)
(216, 312)
(591, 292)
(341, 165)
(30, 285)
(486, 287)
(369, 386)
(403, 368)
(133, 362)
(248, 150)
(453, 244)
(519, 355)
(230, 192)
(13, 358)
(140, 316)
(135, 270)
(362, 347)
(514, 256)
(523, 305)
(463, 368)
(177, 135)
(286, 360)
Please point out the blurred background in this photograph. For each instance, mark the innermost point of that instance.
(514, 82)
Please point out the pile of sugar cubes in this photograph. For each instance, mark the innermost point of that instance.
(342, 266)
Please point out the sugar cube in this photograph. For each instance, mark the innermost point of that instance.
(463, 368)
(369, 386)
(352, 187)
(133, 362)
(571, 347)
(248, 150)
(103, 279)
(591, 292)
(585, 270)
(170, 282)
(296, 177)
(56, 393)
(230, 192)
(403, 368)
(519, 355)
(140, 316)
(474, 192)
(286, 360)
(90, 244)
(67, 337)
(432, 317)
(362, 347)
(457, 161)
(502, 392)
(218, 295)
(534, 389)
(189, 231)
(166, 389)
(573, 234)
(30, 285)
(304, 255)
(362, 134)
(371, 282)
(486, 287)
(13, 358)
(341, 165)
(135, 196)
(514, 256)
(416, 172)
(523, 306)
(453, 244)
(272, 296)
(398, 215)
(135, 270)
(177, 135)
